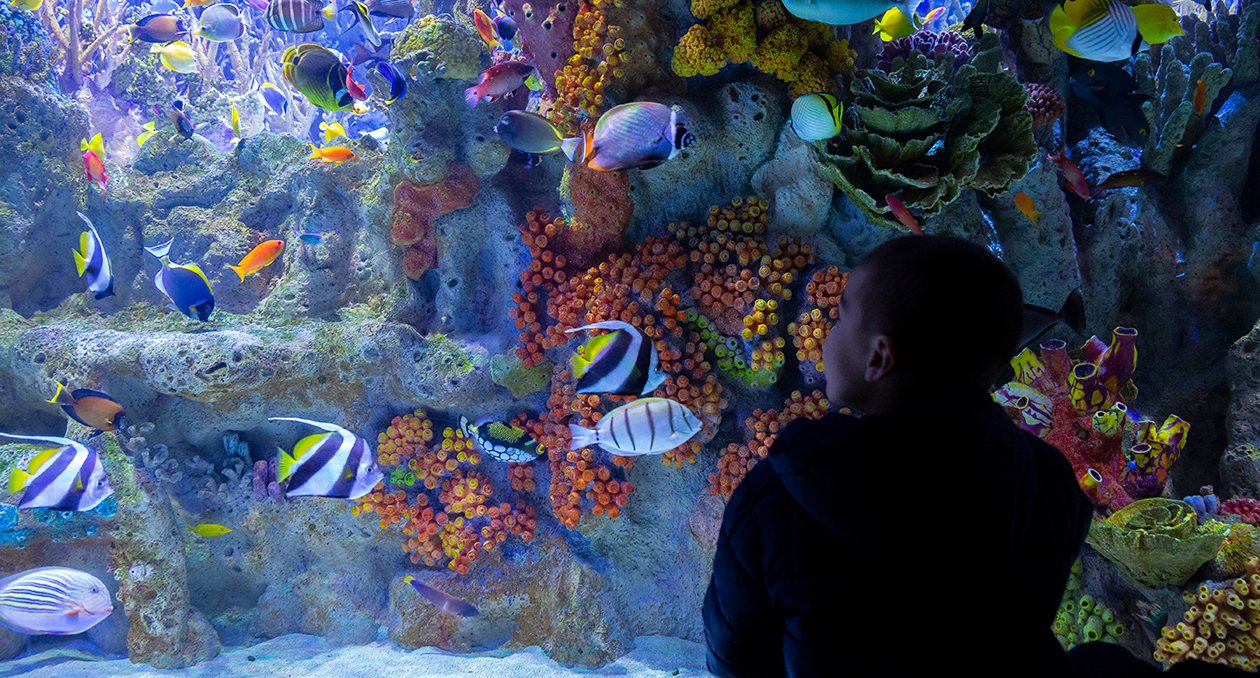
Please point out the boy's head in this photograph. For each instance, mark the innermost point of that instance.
(921, 313)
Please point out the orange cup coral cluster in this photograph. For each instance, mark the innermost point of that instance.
(1222, 625)
(415, 209)
(824, 290)
(763, 428)
(809, 333)
(595, 63)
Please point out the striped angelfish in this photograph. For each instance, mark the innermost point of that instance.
(299, 16)
(335, 464)
(94, 262)
(645, 426)
(67, 478)
(55, 600)
(500, 441)
(1111, 37)
(621, 363)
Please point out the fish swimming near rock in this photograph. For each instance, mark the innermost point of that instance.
(639, 135)
(317, 72)
(335, 154)
(274, 99)
(816, 116)
(184, 126)
(1129, 178)
(622, 362)
(69, 477)
(1110, 90)
(844, 12)
(902, 213)
(394, 9)
(208, 530)
(1038, 320)
(395, 79)
(93, 154)
(444, 601)
(487, 30)
(894, 24)
(148, 133)
(364, 20)
(220, 23)
(299, 16)
(235, 123)
(58, 601)
(308, 238)
(1100, 84)
(177, 56)
(159, 28)
(1025, 205)
(501, 442)
(1199, 100)
(259, 258)
(1073, 174)
(1110, 30)
(365, 55)
(645, 426)
(533, 134)
(356, 90)
(95, 410)
(498, 81)
(185, 285)
(93, 262)
(332, 130)
(28, 5)
(335, 464)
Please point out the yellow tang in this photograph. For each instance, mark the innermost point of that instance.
(210, 530)
(28, 5)
(177, 56)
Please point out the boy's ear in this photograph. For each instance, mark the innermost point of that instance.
(882, 360)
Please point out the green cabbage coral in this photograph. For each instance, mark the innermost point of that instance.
(1157, 541)
(926, 133)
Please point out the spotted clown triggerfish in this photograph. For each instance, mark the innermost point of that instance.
(501, 442)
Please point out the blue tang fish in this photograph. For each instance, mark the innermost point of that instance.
(334, 464)
(93, 262)
(54, 600)
(185, 285)
(68, 478)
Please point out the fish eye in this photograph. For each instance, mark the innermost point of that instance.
(1091, 72)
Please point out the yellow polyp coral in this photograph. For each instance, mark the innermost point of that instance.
(1240, 546)
(1221, 626)
(697, 54)
(811, 76)
(703, 9)
(839, 58)
(781, 51)
(735, 33)
(769, 355)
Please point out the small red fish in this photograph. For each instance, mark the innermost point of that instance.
(92, 166)
(354, 88)
(1075, 177)
(903, 215)
(498, 81)
(1200, 96)
(485, 26)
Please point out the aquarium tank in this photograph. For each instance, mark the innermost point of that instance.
(330, 330)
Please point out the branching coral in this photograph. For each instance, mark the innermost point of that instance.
(1221, 626)
(79, 42)
(415, 209)
(25, 46)
(1157, 541)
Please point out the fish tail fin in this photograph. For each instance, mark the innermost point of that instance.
(284, 465)
(582, 436)
(80, 264)
(330, 13)
(161, 251)
(1073, 312)
(18, 479)
(572, 147)
(56, 395)
(472, 96)
(315, 152)
(240, 270)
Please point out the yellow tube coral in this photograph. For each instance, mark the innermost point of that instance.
(697, 54)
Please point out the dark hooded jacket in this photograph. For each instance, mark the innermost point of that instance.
(937, 537)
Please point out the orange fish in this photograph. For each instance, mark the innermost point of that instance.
(1200, 96)
(258, 258)
(337, 154)
(1025, 205)
(1075, 177)
(92, 166)
(903, 215)
(93, 409)
(485, 26)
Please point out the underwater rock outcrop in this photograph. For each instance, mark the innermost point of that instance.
(1157, 541)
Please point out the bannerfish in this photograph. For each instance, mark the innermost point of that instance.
(531, 133)
(220, 23)
(185, 285)
(498, 81)
(1073, 174)
(184, 126)
(335, 464)
(639, 135)
(93, 153)
(1127, 178)
(1038, 320)
(487, 30)
(209, 530)
(299, 16)
(645, 426)
(95, 410)
(816, 116)
(444, 601)
(361, 17)
(1025, 204)
(160, 28)
(177, 56)
(395, 79)
(274, 99)
(903, 214)
(332, 130)
(356, 90)
(317, 72)
(58, 601)
(28, 5)
(69, 477)
(93, 261)
(844, 12)
(146, 134)
(1200, 96)
(396, 9)
(337, 154)
(1110, 30)
(501, 442)
(622, 362)
(258, 258)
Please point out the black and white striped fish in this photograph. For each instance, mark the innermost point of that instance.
(94, 262)
(54, 600)
(67, 478)
(336, 464)
(299, 16)
(622, 363)
(645, 426)
(500, 441)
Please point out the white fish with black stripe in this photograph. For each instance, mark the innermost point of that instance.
(54, 600)
(336, 464)
(69, 477)
(501, 442)
(816, 116)
(93, 262)
(622, 363)
(1110, 30)
(645, 426)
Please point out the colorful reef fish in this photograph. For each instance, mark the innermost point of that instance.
(335, 464)
(1038, 320)
(902, 213)
(639, 135)
(498, 81)
(148, 132)
(184, 284)
(356, 90)
(259, 258)
(1025, 205)
(274, 99)
(299, 16)
(444, 601)
(160, 28)
(54, 600)
(395, 9)
(1073, 174)
(95, 410)
(394, 77)
(332, 130)
(1199, 100)
(533, 134)
(844, 12)
(487, 30)
(895, 24)
(1133, 177)
(1110, 30)
(184, 126)
(645, 426)
(69, 477)
(317, 72)
(28, 5)
(623, 362)
(177, 56)
(337, 154)
(362, 18)
(816, 116)
(93, 262)
(93, 153)
(208, 530)
(501, 442)
(220, 23)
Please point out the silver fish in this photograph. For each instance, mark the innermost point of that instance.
(645, 426)
(53, 600)
(69, 477)
(443, 600)
(221, 23)
(334, 464)
(93, 262)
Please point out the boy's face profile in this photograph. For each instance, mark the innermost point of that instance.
(847, 351)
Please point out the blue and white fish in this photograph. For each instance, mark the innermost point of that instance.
(94, 262)
(624, 362)
(184, 284)
(501, 442)
(816, 116)
(69, 477)
(641, 135)
(845, 12)
(274, 99)
(54, 600)
(443, 600)
(335, 464)
(645, 426)
(308, 238)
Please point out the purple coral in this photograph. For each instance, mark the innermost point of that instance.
(929, 44)
(265, 484)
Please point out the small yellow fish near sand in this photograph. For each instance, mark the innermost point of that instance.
(1025, 205)
(210, 530)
